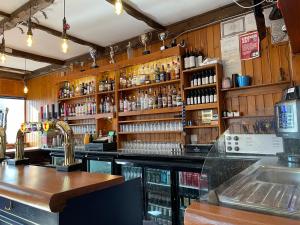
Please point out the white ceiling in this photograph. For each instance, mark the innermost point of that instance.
(9, 6)
(96, 22)
(19, 63)
(167, 12)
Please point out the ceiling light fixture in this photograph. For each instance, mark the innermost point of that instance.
(118, 7)
(3, 57)
(66, 27)
(25, 90)
(29, 32)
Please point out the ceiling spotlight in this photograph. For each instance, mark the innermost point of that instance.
(66, 27)
(118, 7)
(3, 57)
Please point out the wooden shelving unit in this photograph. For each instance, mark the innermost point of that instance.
(149, 120)
(76, 97)
(257, 86)
(193, 112)
(151, 132)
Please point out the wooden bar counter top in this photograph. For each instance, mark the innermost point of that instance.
(47, 189)
(206, 214)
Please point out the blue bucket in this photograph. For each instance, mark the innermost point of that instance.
(243, 81)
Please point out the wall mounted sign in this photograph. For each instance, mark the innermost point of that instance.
(249, 45)
(233, 27)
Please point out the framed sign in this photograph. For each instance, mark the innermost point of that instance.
(249, 45)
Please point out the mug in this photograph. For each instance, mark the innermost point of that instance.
(243, 80)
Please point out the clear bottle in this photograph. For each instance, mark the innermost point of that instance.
(121, 104)
(164, 99)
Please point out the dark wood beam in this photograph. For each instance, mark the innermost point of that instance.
(27, 55)
(4, 14)
(70, 37)
(13, 70)
(139, 15)
(10, 75)
(22, 13)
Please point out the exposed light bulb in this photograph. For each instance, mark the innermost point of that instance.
(3, 57)
(25, 89)
(118, 7)
(64, 45)
(29, 40)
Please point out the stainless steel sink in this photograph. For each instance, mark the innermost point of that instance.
(264, 188)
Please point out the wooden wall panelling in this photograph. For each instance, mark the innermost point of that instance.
(11, 88)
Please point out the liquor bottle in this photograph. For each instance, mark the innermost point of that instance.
(146, 101)
(192, 63)
(195, 80)
(138, 101)
(191, 98)
(159, 100)
(157, 74)
(192, 81)
(203, 78)
(177, 69)
(211, 96)
(142, 100)
(150, 99)
(121, 104)
(134, 104)
(178, 98)
(207, 96)
(203, 99)
(162, 76)
(125, 104)
(199, 96)
(164, 99)
(195, 97)
(169, 97)
(129, 104)
(211, 77)
(215, 76)
(173, 71)
(199, 77)
(188, 99)
(215, 95)
(155, 101)
(168, 72)
(174, 97)
(200, 58)
(186, 59)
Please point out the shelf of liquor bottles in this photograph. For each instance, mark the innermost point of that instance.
(201, 106)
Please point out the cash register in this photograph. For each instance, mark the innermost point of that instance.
(287, 118)
(103, 143)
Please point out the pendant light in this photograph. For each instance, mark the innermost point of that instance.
(66, 26)
(25, 90)
(3, 57)
(29, 32)
(118, 7)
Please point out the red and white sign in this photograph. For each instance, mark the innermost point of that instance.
(249, 45)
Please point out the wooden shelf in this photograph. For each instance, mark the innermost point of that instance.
(256, 86)
(246, 117)
(150, 111)
(104, 116)
(105, 92)
(202, 126)
(150, 120)
(76, 97)
(201, 87)
(151, 132)
(84, 117)
(201, 106)
(151, 85)
(205, 67)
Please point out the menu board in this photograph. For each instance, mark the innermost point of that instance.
(249, 45)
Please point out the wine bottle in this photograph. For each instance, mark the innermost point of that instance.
(192, 59)
(187, 59)
(211, 96)
(199, 77)
(215, 76)
(195, 98)
(203, 99)
(192, 98)
(203, 78)
(192, 81)
(199, 97)
(188, 99)
(207, 96)
(215, 95)
(211, 77)
(195, 80)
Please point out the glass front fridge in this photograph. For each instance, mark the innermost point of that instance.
(158, 196)
(100, 166)
(192, 186)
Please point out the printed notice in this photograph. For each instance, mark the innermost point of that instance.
(249, 45)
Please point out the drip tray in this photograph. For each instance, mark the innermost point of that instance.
(266, 189)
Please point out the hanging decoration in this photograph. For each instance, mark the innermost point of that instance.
(29, 32)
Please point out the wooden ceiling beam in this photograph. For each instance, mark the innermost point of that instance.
(139, 15)
(23, 12)
(13, 70)
(70, 37)
(27, 55)
(11, 75)
(4, 14)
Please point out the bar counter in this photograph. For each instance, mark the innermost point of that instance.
(41, 195)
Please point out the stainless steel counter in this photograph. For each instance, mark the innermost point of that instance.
(267, 186)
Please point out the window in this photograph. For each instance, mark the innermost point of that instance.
(15, 116)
